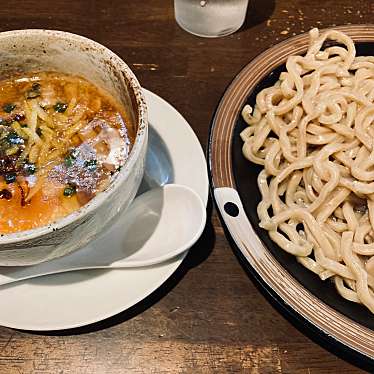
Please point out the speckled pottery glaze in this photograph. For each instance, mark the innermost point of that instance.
(48, 50)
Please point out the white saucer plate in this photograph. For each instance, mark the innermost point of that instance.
(75, 299)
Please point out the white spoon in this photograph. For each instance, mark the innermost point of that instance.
(158, 225)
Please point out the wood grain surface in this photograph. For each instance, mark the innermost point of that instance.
(209, 317)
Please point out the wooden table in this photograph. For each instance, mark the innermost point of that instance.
(209, 318)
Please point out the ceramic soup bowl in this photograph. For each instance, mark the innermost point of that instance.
(45, 50)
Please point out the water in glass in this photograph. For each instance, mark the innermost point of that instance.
(210, 18)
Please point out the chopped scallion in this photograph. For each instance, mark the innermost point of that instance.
(69, 190)
(60, 107)
(29, 168)
(14, 139)
(8, 107)
(91, 165)
(71, 156)
(10, 178)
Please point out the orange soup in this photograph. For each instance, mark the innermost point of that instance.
(61, 141)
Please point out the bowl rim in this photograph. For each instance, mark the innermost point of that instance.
(121, 176)
(337, 332)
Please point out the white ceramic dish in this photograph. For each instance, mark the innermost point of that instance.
(47, 50)
(80, 298)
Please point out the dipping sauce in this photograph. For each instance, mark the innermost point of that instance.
(61, 141)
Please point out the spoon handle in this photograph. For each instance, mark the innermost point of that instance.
(9, 275)
(12, 275)
(23, 275)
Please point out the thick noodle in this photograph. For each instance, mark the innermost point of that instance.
(313, 132)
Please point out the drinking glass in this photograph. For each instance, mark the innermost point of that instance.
(210, 18)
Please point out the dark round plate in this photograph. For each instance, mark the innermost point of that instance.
(313, 305)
